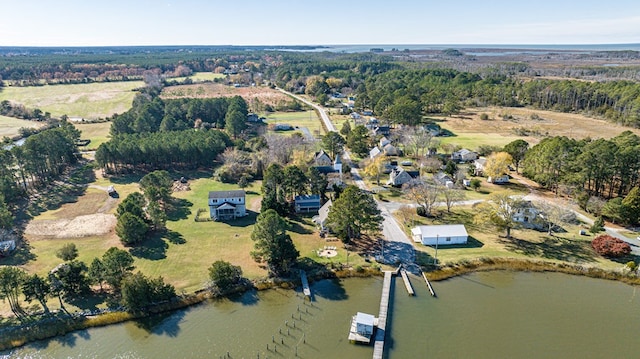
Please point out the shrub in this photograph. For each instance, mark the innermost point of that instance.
(608, 246)
(598, 225)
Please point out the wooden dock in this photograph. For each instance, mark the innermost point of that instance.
(407, 283)
(433, 294)
(378, 348)
(305, 284)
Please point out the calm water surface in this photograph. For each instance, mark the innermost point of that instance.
(484, 315)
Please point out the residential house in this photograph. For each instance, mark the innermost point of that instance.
(226, 205)
(367, 113)
(323, 162)
(400, 176)
(443, 179)
(464, 155)
(479, 166)
(526, 213)
(282, 127)
(307, 203)
(374, 152)
(355, 115)
(440, 234)
(433, 129)
(322, 159)
(252, 117)
(382, 130)
(372, 123)
(391, 150)
(323, 213)
(502, 179)
(383, 142)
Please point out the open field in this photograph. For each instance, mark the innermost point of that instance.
(98, 133)
(265, 95)
(299, 120)
(88, 101)
(470, 131)
(9, 126)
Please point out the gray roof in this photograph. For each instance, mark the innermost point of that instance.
(227, 194)
(307, 198)
(447, 230)
(323, 213)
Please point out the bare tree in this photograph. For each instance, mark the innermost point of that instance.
(417, 140)
(424, 193)
(451, 195)
(500, 211)
(553, 215)
(280, 148)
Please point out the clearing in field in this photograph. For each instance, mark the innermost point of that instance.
(10, 126)
(265, 95)
(505, 124)
(89, 101)
(97, 133)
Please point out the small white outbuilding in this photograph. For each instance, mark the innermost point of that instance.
(440, 235)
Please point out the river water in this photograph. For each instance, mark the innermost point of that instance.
(483, 315)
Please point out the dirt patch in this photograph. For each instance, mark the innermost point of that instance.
(209, 90)
(82, 226)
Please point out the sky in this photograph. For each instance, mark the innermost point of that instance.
(317, 22)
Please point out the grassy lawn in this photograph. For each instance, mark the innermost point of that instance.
(98, 133)
(485, 241)
(299, 120)
(9, 126)
(471, 140)
(89, 101)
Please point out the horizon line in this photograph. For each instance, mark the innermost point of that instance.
(491, 45)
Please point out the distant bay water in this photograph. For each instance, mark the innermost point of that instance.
(513, 48)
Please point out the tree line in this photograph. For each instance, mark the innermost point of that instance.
(41, 159)
(404, 96)
(188, 149)
(590, 170)
(150, 113)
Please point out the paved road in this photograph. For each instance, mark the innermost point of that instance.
(323, 114)
(396, 246)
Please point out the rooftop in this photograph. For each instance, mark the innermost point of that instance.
(227, 194)
(447, 230)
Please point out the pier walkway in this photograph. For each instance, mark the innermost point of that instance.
(407, 283)
(378, 347)
(305, 284)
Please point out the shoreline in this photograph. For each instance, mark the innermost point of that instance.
(61, 324)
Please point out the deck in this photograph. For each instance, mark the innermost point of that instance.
(407, 283)
(305, 284)
(378, 348)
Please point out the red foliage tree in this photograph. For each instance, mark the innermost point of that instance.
(609, 246)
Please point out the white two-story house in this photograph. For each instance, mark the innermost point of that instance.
(226, 205)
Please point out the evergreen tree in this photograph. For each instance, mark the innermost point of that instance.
(131, 229)
(272, 244)
(352, 214)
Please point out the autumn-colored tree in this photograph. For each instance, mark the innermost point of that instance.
(375, 168)
(608, 246)
(497, 164)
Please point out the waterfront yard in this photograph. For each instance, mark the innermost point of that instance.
(89, 101)
(487, 242)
